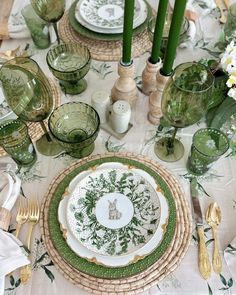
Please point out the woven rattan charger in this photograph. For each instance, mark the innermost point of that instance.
(35, 131)
(151, 276)
(100, 49)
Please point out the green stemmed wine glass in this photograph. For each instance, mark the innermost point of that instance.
(28, 93)
(184, 101)
(50, 11)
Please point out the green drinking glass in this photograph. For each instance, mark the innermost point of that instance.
(50, 11)
(28, 93)
(69, 63)
(75, 126)
(230, 25)
(208, 146)
(38, 28)
(15, 140)
(184, 102)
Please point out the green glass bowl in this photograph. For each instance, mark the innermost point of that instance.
(75, 126)
(69, 63)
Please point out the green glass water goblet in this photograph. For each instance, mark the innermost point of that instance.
(75, 126)
(69, 63)
(208, 146)
(28, 93)
(184, 102)
(38, 27)
(50, 11)
(15, 140)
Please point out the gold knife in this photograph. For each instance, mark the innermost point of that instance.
(227, 4)
(203, 258)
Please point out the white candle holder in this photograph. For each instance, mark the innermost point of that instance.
(125, 86)
(149, 82)
(155, 112)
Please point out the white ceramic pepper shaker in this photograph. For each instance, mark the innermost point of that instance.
(101, 102)
(120, 116)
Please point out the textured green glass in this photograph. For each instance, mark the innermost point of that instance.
(16, 142)
(207, 147)
(184, 101)
(26, 89)
(28, 93)
(75, 126)
(91, 268)
(50, 11)
(38, 28)
(69, 63)
(183, 34)
(230, 25)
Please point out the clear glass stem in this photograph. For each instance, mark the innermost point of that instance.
(56, 31)
(45, 131)
(170, 143)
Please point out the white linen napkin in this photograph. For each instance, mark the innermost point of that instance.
(11, 253)
(230, 257)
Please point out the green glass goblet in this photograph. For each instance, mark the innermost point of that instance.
(75, 127)
(69, 63)
(28, 93)
(230, 25)
(50, 11)
(184, 102)
(208, 146)
(15, 140)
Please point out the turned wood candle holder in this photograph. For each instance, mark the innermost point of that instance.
(125, 86)
(149, 82)
(155, 112)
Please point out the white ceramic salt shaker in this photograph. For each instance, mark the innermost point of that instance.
(101, 102)
(120, 116)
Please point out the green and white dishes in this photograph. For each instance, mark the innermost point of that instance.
(50, 11)
(114, 215)
(15, 140)
(208, 146)
(75, 126)
(5, 111)
(107, 16)
(39, 29)
(28, 93)
(184, 102)
(69, 63)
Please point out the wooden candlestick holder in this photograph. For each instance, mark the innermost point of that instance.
(149, 82)
(155, 112)
(125, 86)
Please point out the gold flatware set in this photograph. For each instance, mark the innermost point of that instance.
(28, 212)
(213, 218)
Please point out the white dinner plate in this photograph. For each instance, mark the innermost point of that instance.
(114, 244)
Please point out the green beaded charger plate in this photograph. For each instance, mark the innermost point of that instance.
(89, 267)
(100, 36)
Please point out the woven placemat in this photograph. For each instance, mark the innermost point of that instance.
(35, 131)
(138, 283)
(103, 50)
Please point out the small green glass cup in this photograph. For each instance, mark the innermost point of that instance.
(38, 28)
(230, 25)
(75, 126)
(15, 140)
(69, 63)
(208, 145)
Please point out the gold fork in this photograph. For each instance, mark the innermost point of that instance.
(33, 219)
(22, 215)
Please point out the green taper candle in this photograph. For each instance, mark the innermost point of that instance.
(128, 31)
(173, 38)
(158, 32)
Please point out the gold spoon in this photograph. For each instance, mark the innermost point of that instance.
(213, 218)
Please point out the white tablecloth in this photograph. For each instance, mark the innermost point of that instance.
(218, 185)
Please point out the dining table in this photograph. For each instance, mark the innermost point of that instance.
(217, 185)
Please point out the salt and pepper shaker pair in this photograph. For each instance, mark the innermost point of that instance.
(118, 114)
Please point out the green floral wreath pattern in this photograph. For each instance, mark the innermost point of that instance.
(136, 233)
